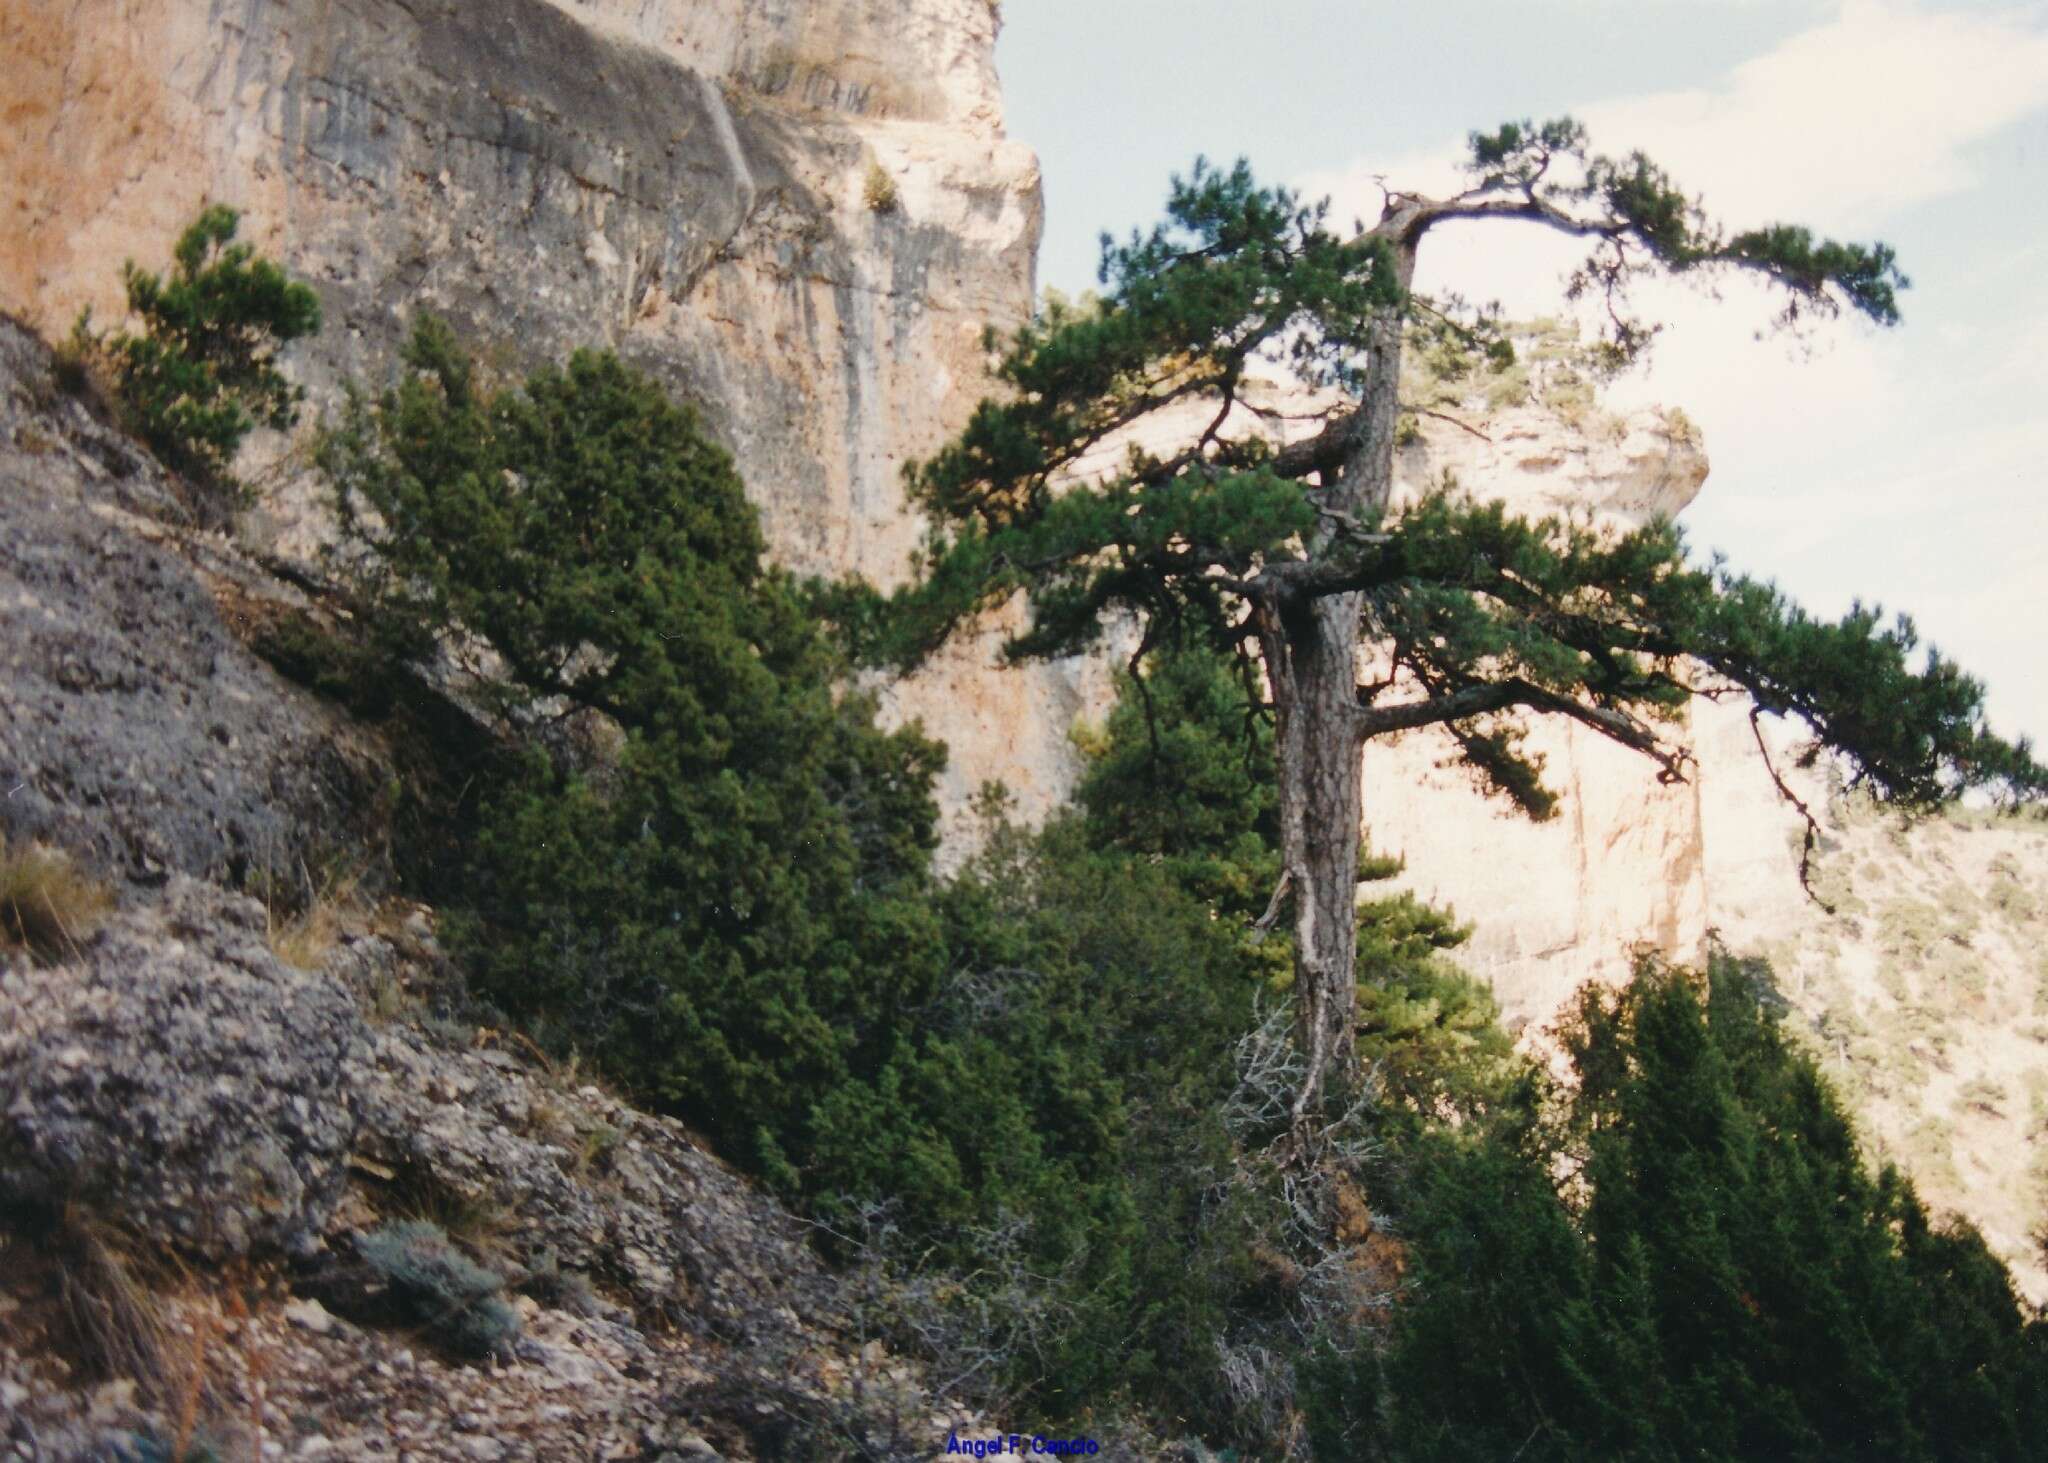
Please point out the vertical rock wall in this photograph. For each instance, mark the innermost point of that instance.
(1619, 869)
(686, 182)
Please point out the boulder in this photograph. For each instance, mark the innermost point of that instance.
(175, 1076)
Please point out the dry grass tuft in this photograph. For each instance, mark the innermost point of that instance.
(48, 905)
(305, 940)
(105, 1310)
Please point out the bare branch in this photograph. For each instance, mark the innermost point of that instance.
(1265, 922)
(1351, 528)
(1423, 411)
(1478, 700)
(1321, 453)
(1756, 729)
(1459, 705)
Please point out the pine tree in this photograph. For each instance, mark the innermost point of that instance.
(1280, 548)
(202, 372)
(1687, 1257)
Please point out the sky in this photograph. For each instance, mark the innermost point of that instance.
(1904, 466)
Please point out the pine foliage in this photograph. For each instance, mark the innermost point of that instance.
(1691, 1259)
(201, 372)
(1485, 620)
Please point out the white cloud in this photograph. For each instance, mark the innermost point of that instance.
(1872, 111)
(1876, 109)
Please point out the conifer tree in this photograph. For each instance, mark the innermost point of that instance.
(1693, 1261)
(731, 906)
(1255, 538)
(202, 372)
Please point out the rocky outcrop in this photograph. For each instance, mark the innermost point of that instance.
(137, 731)
(613, 1198)
(175, 1082)
(174, 1072)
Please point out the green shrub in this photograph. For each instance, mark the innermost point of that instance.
(1688, 1258)
(1181, 776)
(729, 910)
(1110, 1080)
(878, 190)
(76, 360)
(201, 372)
(453, 1298)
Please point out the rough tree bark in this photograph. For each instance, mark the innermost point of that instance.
(1310, 643)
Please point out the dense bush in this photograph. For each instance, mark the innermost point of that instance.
(1689, 1259)
(728, 906)
(1111, 1065)
(201, 373)
(1068, 1074)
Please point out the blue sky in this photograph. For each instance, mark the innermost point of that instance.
(1907, 466)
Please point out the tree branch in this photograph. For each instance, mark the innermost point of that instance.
(1477, 700)
(1459, 705)
(1320, 453)
(1756, 730)
(1423, 411)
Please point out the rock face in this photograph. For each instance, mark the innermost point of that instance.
(1620, 867)
(136, 731)
(685, 180)
(174, 1072)
(614, 1198)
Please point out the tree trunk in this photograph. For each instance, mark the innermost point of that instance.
(1311, 652)
(1311, 656)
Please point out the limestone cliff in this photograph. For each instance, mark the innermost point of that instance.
(1619, 868)
(684, 181)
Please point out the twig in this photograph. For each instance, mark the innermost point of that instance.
(1266, 921)
(1812, 824)
(1423, 411)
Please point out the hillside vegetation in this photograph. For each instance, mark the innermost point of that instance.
(1039, 1113)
